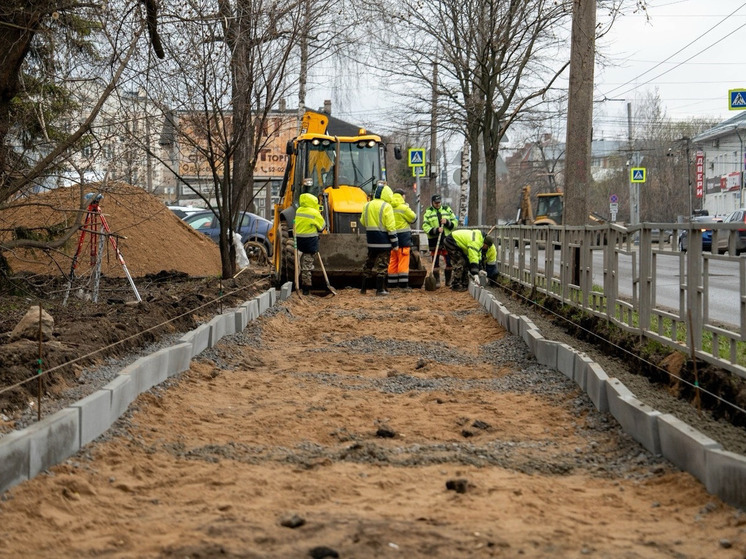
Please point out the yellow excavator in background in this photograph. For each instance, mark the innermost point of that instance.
(549, 208)
(342, 165)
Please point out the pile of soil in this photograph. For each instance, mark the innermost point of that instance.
(175, 270)
(151, 238)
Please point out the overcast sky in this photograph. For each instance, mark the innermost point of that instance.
(691, 51)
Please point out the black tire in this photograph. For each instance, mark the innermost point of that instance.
(287, 257)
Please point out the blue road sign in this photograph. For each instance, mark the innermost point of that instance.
(613, 199)
(637, 174)
(736, 99)
(416, 157)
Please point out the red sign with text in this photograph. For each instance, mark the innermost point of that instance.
(700, 162)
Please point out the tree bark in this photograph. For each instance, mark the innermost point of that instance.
(19, 23)
(579, 113)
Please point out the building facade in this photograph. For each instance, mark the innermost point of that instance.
(719, 165)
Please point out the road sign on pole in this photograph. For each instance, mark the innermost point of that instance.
(416, 157)
(736, 99)
(637, 174)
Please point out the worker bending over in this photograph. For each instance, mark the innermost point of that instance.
(307, 226)
(464, 248)
(404, 217)
(380, 234)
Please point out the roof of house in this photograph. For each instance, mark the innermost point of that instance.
(725, 128)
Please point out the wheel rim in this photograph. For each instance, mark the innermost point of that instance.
(257, 253)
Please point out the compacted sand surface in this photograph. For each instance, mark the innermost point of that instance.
(362, 426)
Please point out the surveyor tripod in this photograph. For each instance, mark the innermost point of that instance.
(95, 230)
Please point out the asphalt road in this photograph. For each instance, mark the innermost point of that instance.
(723, 280)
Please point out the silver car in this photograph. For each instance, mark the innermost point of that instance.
(739, 237)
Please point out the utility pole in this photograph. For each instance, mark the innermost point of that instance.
(303, 75)
(432, 182)
(444, 173)
(580, 112)
(634, 161)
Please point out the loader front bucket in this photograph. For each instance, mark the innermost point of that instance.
(344, 256)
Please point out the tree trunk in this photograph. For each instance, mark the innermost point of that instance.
(579, 112)
(490, 188)
(474, 214)
(464, 200)
(19, 24)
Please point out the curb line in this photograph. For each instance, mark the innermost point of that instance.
(26, 453)
(722, 473)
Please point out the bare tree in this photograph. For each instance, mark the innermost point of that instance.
(662, 145)
(226, 68)
(48, 52)
(494, 64)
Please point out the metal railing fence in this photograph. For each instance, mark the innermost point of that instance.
(684, 299)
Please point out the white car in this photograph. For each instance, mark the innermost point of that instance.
(184, 211)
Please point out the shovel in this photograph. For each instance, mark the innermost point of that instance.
(326, 278)
(430, 279)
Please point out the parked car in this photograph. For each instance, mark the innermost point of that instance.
(183, 211)
(738, 216)
(658, 236)
(706, 233)
(254, 230)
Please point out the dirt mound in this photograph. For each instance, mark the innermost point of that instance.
(151, 237)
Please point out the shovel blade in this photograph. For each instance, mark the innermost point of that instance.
(430, 283)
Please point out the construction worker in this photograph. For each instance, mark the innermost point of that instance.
(380, 233)
(465, 248)
(439, 220)
(404, 217)
(307, 226)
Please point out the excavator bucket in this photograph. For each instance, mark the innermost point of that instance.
(344, 256)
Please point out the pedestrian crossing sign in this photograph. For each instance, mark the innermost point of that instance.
(416, 157)
(418, 171)
(637, 174)
(736, 99)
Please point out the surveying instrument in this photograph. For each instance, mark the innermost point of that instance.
(95, 229)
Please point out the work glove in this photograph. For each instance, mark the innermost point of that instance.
(475, 278)
(473, 269)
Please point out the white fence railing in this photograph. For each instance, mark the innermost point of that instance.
(684, 299)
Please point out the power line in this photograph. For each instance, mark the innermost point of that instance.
(723, 20)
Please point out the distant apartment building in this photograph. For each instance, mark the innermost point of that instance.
(122, 144)
(189, 169)
(137, 141)
(719, 165)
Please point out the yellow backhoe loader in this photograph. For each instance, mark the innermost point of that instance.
(549, 208)
(342, 165)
